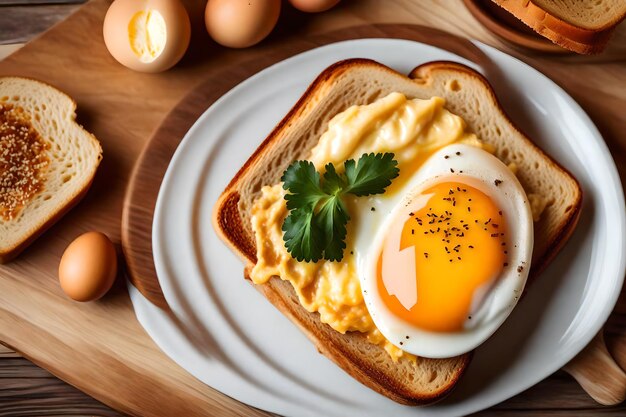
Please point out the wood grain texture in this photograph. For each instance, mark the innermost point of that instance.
(6, 50)
(38, 2)
(598, 374)
(23, 22)
(27, 390)
(99, 347)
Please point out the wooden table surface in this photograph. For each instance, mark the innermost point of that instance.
(27, 390)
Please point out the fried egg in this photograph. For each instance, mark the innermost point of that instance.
(443, 259)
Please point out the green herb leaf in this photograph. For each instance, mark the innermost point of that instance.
(332, 220)
(371, 175)
(315, 227)
(302, 236)
(333, 182)
(303, 183)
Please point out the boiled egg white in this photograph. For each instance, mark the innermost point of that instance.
(147, 35)
(444, 258)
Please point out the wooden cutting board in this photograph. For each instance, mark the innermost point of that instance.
(99, 347)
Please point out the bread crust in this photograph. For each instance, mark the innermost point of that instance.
(328, 342)
(229, 226)
(12, 253)
(569, 36)
(8, 254)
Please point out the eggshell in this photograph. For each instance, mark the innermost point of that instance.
(88, 267)
(240, 23)
(147, 35)
(313, 6)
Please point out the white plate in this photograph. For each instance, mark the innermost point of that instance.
(227, 335)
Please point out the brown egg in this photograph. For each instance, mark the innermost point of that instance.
(240, 23)
(88, 267)
(147, 35)
(313, 6)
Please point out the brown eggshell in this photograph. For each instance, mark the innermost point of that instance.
(240, 23)
(116, 33)
(88, 267)
(313, 6)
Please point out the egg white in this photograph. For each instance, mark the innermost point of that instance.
(372, 219)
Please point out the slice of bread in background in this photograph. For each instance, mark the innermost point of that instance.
(360, 81)
(582, 26)
(69, 159)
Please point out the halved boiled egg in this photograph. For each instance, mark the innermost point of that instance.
(147, 35)
(450, 253)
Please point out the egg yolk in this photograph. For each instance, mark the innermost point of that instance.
(147, 35)
(440, 260)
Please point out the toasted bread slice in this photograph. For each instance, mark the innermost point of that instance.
(360, 81)
(45, 170)
(582, 26)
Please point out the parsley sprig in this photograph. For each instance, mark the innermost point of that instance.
(316, 225)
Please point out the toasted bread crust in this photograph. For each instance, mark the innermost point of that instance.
(565, 34)
(227, 222)
(229, 226)
(11, 254)
(328, 343)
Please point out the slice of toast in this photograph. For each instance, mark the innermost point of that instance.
(582, 26)
(360, 81)
(44, 170)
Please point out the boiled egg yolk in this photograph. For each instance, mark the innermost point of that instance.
(147, 34)
(440, 259)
